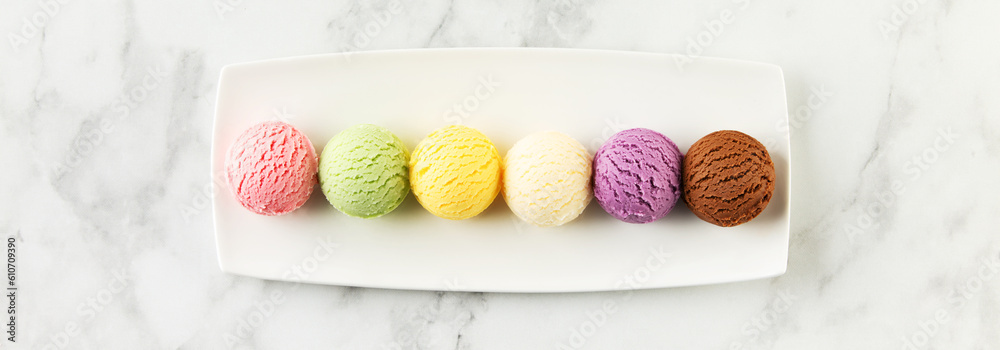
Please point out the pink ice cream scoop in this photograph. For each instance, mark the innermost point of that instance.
(637, 175)
(271, 168)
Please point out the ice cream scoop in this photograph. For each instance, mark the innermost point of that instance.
(546, 179)
(728, 178)
(637, 175)
(271, 168)
(455, 172)
(363, 171)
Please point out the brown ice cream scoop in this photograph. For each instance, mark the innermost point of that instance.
(728, 178)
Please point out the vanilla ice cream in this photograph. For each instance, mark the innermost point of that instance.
(547, 179)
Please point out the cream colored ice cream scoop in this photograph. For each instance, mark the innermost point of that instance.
(547, 179)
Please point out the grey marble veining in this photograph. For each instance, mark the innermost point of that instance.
(106, 125)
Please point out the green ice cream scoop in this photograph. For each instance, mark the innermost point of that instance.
(363, 171)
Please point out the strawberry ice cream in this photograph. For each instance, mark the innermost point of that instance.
(271, 168)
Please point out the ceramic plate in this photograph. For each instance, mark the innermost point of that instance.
(506, 93)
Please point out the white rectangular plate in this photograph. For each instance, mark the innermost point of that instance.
(506, 93)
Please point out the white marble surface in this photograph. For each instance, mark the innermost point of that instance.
(896, 145)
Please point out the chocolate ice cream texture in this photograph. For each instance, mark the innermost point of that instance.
(728, 178)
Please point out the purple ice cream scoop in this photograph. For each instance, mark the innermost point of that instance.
(637, 175)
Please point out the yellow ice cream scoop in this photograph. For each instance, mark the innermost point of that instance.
(455, 172)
